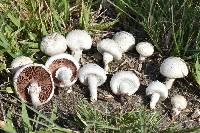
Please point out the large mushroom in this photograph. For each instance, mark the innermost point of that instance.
(172, 68)
(34, 84)
(19, 62)
(156, 90)
(93, 76)
(124, 40)
(109, 49)
(124, 83)
(53, 44)
(178, 103)
(77, 41)
(64, 68)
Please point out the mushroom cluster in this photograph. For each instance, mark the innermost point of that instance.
(34, 83)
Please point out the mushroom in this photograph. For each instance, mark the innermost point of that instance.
(77, 41)
(34, 84)
(110, 50)
(64, 68)
(172, 68)
(19, 62)
(178, 103)
(53, 44)
(124, 40)
(124, 82)
(157, 90)
(93, 76)
(145, 49)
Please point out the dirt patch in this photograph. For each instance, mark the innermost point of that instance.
(66, 102)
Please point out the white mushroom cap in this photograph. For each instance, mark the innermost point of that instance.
(178, 103)
(124, 40)
(92, 69)
(145, 49)
(65, 63)
(124, 82)
(19, 62)
(174, 67)
(93, 76)
(109, 46)
(38, 74)
(157, 90)
(53, 44)
(78, 40)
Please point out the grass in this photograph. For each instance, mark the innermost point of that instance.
(171, 26)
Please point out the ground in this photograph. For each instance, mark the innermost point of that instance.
(66, 102)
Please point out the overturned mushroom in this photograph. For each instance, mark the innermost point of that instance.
(64, 69)
(77, 41)
(156, 90)
(178, 103)
(33, 84)
(19, 62)
(124, 40)
(93, 76)
(53, 44)
(124, 82)
(110, 50)
(172, 68)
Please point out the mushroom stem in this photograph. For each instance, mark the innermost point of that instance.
(142, 58)
(154, 99)
(125, 88)
(64, 75)
(169, 82)
(175, 112)
(107, 58)
(92, 82)
(34, 92)
(77, 54)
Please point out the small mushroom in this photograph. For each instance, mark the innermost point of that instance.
(124, 40)
(64, 68)
(157, 90)
(110, 50)
(172, 68)
(19, 62)
(77, 41)
(178, 103)
(33, 83)
(124, 82)
(93, 76)
(53, 44)
(145, 49)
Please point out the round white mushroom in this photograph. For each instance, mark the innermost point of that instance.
(109, 49)
(19, 62)
(156, 90)
(145, 49)
(34, 84)
(124, 40)
(172, 68)
(93, 76)
(53, 44)
(124, 82)
(178, 103)
(64, 68)
(77, 41)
